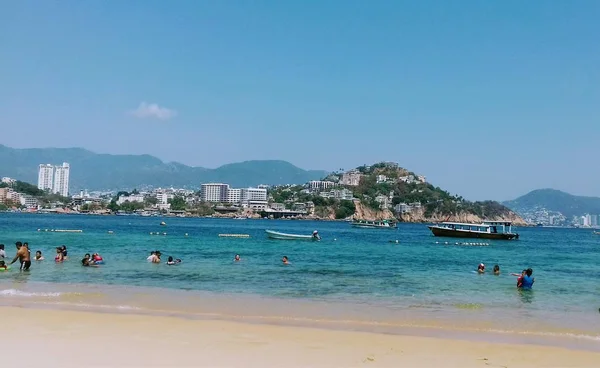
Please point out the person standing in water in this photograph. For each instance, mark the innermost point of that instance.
(23, 255)
(285, 260)
(237, 258)
(481, 268)
(496, 270)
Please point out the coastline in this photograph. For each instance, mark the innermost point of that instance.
(130, 340)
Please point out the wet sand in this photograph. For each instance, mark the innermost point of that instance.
(58, 338)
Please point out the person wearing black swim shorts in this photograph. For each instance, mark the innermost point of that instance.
(23, 255)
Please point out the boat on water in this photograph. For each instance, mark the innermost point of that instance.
(376, 224)
(283, 236)
(596, 232)
(501, 230)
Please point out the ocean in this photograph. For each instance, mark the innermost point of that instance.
(365, 279)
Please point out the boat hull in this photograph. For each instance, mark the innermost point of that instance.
(363, 226)
(283, 236)
(450, 233)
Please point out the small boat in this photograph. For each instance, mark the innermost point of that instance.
(596, 232)
(162, 223)
(383, 224)
(240, 218)
(500, 230)
(283, 236)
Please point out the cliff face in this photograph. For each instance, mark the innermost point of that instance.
(419, 216)
(365, 213)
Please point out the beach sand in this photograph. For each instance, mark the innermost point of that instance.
(59, 338)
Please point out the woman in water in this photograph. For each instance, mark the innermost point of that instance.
(496, 270)
(59, 255)
(38, 256)
(97, 258)
(237, 258)
(481, 268)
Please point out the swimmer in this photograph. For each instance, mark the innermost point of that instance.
(520, 277)
(151, 256)
(97, 258)
(64, 253)
(38, 256)
(23, 255)
(59, 255)
(87, 261)
(496, 270)
(285, 260)
(237, 258)
(171, 261)
(481, 268)
(157, 255)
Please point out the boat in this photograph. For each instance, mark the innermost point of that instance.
(501, 230)
(283, 236)
(596, 232)
(376, 224)
(240, 218)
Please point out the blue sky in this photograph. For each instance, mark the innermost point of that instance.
(488, 99)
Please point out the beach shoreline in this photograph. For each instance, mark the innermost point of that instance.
(131, 340)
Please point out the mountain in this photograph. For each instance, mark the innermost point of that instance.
(95, 171)
(556, 201)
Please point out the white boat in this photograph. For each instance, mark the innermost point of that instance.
(283, 236)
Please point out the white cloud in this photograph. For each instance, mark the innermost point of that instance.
(153, 111)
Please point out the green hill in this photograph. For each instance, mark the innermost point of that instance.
(94, 171)
(555, 200)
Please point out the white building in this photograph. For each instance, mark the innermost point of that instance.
(383, 201)
(340, 194)
(7, 195)
(45, 177)
(254, 198)
(381, 179)
(319, 185)
(9, 181)
(130, 198)
(351, 178)
(162, 198)
(61, 179)
(214, 192)
(29, 201)
(234, 196)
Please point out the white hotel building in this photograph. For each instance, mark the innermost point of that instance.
(54, 178)
(254, 198)
(45, 177)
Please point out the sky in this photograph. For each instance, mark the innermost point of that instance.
(487, 99)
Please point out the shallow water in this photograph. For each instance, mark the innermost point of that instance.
(360, 276)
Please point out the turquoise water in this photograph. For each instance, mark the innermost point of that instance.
(352, 274)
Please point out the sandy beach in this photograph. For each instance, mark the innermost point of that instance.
(57, 338)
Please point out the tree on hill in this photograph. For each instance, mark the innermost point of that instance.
(177, 203)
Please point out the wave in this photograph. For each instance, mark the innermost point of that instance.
(15, 292)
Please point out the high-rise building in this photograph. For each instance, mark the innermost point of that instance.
(214, 192)
(45, 176)
(61, 179)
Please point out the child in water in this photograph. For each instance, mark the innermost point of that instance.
(3, 265)
(38, 256)
(171, 261)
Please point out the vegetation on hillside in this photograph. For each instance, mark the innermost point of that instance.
(399, 186)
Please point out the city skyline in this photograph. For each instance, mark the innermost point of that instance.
(507, 91)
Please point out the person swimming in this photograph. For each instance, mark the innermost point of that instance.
(496, 270)
(237, 258)
(481, 268)
(172, 262)
(285, 260)
(87, 261)
(38, 256)
(97, 258)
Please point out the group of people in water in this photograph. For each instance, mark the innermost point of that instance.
(24, 257)
(155, 255)
(524, 279)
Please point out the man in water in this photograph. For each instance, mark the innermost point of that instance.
(23, 255)
(285, 260)
(527, 282)
(2, 252)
